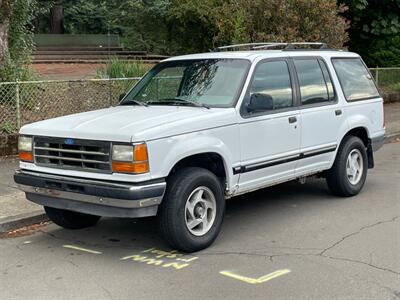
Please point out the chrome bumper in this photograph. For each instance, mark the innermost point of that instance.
(104, 198)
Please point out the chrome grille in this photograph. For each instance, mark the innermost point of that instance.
(77, 154)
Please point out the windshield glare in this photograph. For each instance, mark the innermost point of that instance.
(214, 82)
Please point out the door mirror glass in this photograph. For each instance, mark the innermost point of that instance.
(260, 102)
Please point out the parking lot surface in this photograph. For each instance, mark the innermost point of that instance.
(292, 241)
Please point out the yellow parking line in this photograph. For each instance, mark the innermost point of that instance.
(258, 280)
(82, 249)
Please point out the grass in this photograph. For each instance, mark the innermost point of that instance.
(116, 68)
(395, 87)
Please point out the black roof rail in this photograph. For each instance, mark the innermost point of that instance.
(269, 45)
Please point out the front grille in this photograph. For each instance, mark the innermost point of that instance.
(76, 154)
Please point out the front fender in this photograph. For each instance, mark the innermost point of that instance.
(166, 153)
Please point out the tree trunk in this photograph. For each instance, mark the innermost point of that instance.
(5, 12)
(57, 18)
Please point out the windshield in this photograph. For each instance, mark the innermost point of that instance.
(207, 82)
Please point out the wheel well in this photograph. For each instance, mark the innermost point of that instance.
(210, 161)
(360, 132)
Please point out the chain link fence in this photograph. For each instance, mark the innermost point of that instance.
(387, 79)
(30, 101)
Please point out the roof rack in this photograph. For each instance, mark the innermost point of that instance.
(268, 45)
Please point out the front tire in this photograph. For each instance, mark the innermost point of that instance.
(349, 171)
(192, 211)
(70, 219)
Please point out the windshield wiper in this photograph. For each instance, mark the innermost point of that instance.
(129, 102)
(180, 100)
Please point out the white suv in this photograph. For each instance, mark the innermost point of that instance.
(198, 129)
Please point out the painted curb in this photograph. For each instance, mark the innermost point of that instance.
(18, 221)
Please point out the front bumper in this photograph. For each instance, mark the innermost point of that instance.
(96, 197)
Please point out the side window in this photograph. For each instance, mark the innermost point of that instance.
(313, 88)
(271, 84)
(355, 79)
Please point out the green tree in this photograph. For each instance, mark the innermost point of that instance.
(16, 43)
(5, 13)
(375, 30)
(283, 21)
(185, 26)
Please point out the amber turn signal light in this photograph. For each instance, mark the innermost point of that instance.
(140, 152)
(125, 167)
(25, 156)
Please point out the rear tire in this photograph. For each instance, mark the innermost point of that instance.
(191, 213)
(349, 171)
(70, 219)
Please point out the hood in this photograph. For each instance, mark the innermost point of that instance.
(132, 123)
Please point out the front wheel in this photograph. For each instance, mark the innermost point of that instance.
(192, 211)
(70, 219)
(349, 171)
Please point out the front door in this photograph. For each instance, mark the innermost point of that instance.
(270, 131)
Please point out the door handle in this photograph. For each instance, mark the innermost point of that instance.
(292, 120)
(338, 112)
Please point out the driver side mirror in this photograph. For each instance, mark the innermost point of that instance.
(260, 102)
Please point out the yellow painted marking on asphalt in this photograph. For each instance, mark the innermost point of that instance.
(162, 258)
(82, 249)
(258, 280)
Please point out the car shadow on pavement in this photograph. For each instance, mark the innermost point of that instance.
(257, 209)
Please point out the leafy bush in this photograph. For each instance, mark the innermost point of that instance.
(7, 127)
(395, 87)
(116, 68)
(385, 53)
(282, 21)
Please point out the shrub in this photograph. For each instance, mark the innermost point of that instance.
(116, 68)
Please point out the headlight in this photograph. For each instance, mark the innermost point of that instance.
(25, 148)
(130, 158)
(122, 153)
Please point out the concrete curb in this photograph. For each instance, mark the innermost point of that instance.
(21, 220)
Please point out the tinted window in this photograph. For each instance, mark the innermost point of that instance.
(272, 80)
(355, 79)
(313, 88)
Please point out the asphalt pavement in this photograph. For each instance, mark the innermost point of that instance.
(292, 241)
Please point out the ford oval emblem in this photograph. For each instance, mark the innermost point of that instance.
(69, 142)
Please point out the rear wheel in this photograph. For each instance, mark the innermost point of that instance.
(192, 210)
(347, 175)
(70, 219)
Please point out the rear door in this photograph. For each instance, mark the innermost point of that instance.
(320, 112)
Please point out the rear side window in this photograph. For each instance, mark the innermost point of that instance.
(313, 87)
(356, 81)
